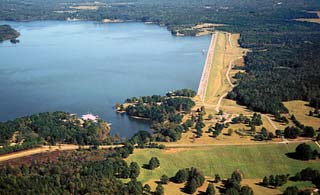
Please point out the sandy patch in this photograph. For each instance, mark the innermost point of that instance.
(85, 7)
(314, 20)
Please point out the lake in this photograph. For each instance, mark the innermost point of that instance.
(86, 67)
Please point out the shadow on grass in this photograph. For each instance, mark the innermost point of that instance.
(146, 166)
(292, 155)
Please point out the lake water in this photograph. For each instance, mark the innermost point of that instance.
(82, 67)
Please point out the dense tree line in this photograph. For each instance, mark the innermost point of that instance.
(51, 128)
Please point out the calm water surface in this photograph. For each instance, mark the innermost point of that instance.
(82, 67)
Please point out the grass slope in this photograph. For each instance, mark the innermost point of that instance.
(254, 161)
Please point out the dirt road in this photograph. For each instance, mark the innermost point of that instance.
(41, 149)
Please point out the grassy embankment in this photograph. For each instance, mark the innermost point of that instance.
(254, 161)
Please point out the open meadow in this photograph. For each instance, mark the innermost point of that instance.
(255, 161)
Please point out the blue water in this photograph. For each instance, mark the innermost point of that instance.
(82, 67)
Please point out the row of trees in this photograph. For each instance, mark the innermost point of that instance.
(276, 181)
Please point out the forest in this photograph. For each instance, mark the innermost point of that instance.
(51, 128)
(7, 33)
(283, 63)
(77, 172)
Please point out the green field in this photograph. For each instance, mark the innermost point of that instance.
(255, 161)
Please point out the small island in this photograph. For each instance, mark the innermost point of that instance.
(8, 33)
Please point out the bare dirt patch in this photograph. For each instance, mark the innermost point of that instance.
(314, 20)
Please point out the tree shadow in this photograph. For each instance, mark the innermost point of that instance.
(146, 166)
(292, 155)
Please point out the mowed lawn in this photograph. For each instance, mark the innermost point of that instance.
(255, 161)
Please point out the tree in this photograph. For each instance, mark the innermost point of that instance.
(217, 178)
(308, 131)
(191, 186)
(232, 191)
(181, 176)
(164, 179)
(291, 190)
(304, 151)
(265, 181)
(246, 190)
(146, 188)
(154, 163)
(134, 170)
(135, 187)
(210, 116)
(159, 190)
(291, 132)
(199, 132)
(236, 176)
(278, 133)
(210, 189)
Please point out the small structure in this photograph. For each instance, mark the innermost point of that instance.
(90, 117)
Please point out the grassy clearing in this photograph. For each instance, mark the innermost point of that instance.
(300, 110)
(255, 161)
(215, 83)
